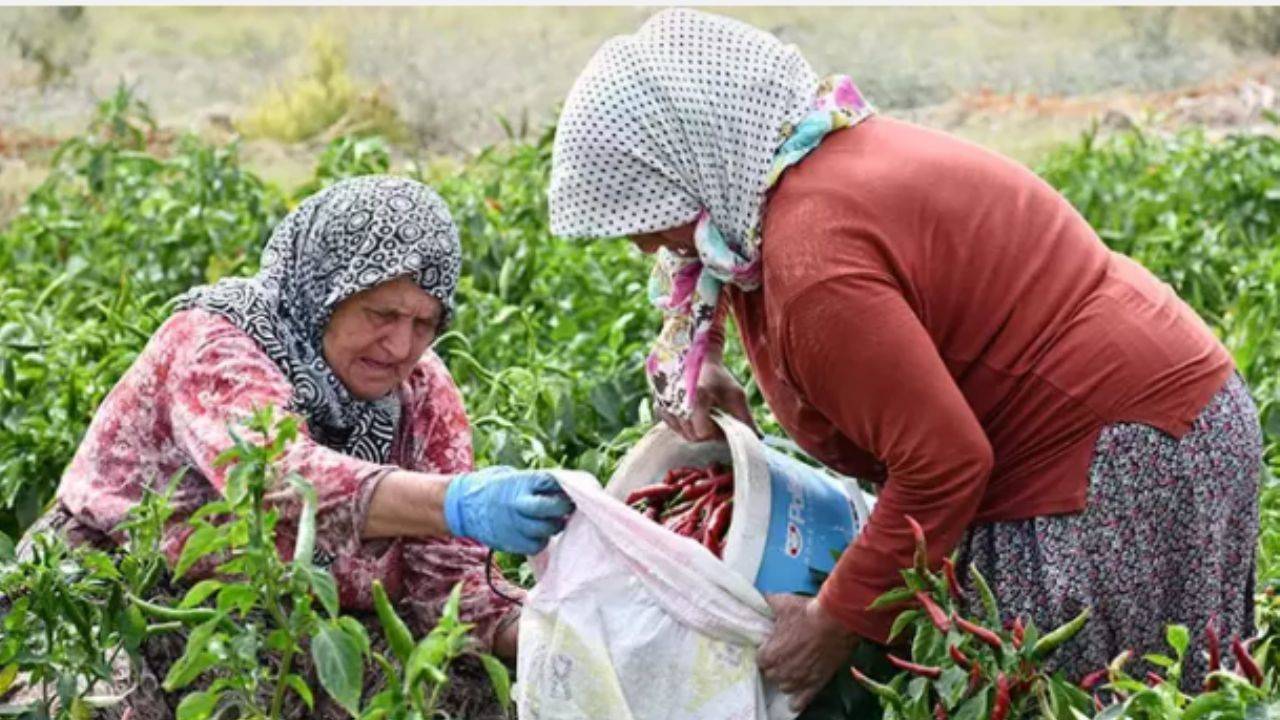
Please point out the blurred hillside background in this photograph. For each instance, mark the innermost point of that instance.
(443, 81)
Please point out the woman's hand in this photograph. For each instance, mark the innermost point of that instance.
(506, 640)
(515, 511)
(717, 388)
(806, 648)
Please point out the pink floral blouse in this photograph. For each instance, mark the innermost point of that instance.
(198, 376)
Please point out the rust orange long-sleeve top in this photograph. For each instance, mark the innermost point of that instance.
(937, 319)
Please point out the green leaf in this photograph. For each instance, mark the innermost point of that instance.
(200, 592)
(196, 658)
(903, 621)
(325, 589)
(1207, 704)
(133, 626)
(1179, 638)
(891, 598)
(188, 667)
(338, 665)
(428, 659)
(7, 675)
(240, 598)
(357, 632)
(975, 708)
(198, 705)
(952, 685)
(295, 682)
(498, 677)
(201, 543)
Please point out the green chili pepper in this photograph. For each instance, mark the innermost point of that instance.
(883, 692)
(988, 597)
(398, 635)
(189, 615)
(1050, 642)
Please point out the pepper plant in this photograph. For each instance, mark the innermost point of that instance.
(260, 603)
(968, 667)
(68, 621)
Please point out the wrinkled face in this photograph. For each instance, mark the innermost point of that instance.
(678, 240)
(375, 337)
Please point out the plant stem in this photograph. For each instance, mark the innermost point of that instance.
(286, 663)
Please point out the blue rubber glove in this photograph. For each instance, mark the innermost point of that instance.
(511, 510)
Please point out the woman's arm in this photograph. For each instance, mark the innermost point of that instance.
(407, 504)
(860, 355)
(217, 383)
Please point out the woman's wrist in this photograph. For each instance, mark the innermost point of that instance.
(408, 504)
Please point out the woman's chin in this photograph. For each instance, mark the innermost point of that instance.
(369, 390)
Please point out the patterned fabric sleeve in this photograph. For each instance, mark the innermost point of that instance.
(438, 440)
(215, 385)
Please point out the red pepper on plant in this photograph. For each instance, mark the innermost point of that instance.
(1246, 663)
(975, 678)
(959, 657)
(927, 671)
(1018, 631)
(1000, 708)
(984, 635)
(1092, 679)
(953, 585)
(936, 614)
(921, 558)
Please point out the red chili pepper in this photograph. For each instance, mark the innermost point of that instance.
(1018, 631)
(936, 615)
(1215, 644)
(1214, 641)
(953, 585)
(983, 634)
(653, 513)
(1000, 709)
(921, 561)
(1246, 664)
(975, 678)
(1092, 679)
(718, 526)
(1097, 702)
(697, 489)
(657, 492)
(939, 712)
(928, 671)
(1153, 679)
(959, 657)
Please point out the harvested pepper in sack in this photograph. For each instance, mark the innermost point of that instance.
(690, 501)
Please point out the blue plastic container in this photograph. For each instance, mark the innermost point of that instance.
(812, 519)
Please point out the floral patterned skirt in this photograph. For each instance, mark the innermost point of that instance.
(1169, 535)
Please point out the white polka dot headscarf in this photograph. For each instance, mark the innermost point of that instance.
(691, 118)
(684, 114)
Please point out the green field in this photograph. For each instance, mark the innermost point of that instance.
(123, 213)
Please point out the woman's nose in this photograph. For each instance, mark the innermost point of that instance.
(399, 339)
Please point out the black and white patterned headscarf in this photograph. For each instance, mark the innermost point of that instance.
(352, 236)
